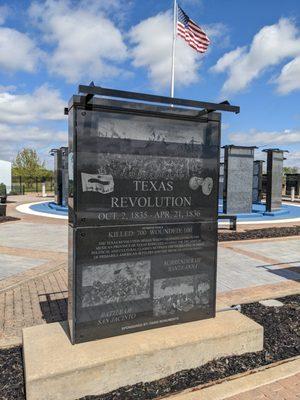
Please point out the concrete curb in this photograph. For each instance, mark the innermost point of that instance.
(257, 293)
(241, 383)
(25, 209)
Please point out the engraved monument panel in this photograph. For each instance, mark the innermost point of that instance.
(143, 217)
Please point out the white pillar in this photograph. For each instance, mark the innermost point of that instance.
(292, 193)
(44, 194)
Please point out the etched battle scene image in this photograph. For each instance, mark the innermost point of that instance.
(180, 294)
(122, 126)
(115, 283)
(145, 167)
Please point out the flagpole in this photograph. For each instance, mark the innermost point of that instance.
(173, 47)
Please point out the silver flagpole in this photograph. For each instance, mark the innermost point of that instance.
(173, 48)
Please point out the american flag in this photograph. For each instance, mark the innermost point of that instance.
(191, 32)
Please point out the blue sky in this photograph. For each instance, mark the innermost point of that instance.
(47, 48)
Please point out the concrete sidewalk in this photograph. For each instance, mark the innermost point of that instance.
(283, 389)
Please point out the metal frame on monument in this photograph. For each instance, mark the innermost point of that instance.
(143, 206)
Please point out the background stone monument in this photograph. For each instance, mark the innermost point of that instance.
(293, 181)
(60, 175)
(257, 181)
(275, 159)
(57, 175)
(238, 179)
(64, 176)
(221, 180)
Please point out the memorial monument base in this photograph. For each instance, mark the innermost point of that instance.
(57, 370)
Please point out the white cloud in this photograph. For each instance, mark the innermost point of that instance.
(44, 103)
(30, 133)
(218, 34)
(228, 59)
(289, 78)
(17, 51)
(27, 120)
(15, 137)
(87, 45)
(261, 138)
(152, 49)
(270, 46)
(293, 159)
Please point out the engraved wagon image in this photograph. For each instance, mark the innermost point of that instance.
(97, 183)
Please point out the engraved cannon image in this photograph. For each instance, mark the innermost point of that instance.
(205, 183)
(97, 183)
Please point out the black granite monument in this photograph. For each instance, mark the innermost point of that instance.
(275, 159)
(64, 176)
(293, 181)
(57, 175)
(61, 179)
(221, 180)
(142, 212)
(238, 179)
(257, 181)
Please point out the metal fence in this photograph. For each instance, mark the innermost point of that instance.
(30, 184)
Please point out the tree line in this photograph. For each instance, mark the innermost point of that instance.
(28, 164)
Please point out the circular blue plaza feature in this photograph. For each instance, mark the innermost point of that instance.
(50, 207)
(259, 213)
(287, 212)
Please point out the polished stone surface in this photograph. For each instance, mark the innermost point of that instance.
(238, 179)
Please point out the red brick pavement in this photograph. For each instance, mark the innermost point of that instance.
(37, 300)
(284, 389)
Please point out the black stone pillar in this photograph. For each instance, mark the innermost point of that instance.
(275, 159)
(221, 181)
(238, 179)
(57, 176)
(64, 176)
(257, 181)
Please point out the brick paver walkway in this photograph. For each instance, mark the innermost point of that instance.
(284, 389)
(34, 301)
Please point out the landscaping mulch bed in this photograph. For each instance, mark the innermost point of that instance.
(11, 374)
(282, 341)
(261, 233)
